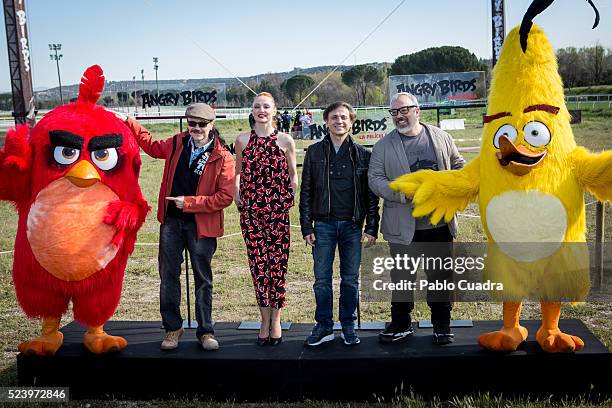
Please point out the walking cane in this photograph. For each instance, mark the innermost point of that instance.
(187, 286)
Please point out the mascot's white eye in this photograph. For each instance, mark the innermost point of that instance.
(105, 159)
(508, 130)
(65, 155)
(536, 134)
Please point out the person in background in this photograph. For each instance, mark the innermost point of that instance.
(278, 121)
(251, 120)
(286, 121)
(296, 129)
(306, 121)
(307, 112)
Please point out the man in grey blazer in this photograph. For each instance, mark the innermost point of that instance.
(413, 146)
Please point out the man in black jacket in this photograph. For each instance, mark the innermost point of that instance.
(334, 202)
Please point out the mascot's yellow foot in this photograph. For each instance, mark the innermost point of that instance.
(510, 336)
(45, 345)
(555, 341)
(506, 339)
(549, 337)
(48, 343)
(98, 342)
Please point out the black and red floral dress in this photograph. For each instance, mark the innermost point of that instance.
(266, 196)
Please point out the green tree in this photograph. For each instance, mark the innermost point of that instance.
(571, 66)
(296, 87)
(332, 89)
(437, 59)
(608, 65)
(6, 101)
(376, 97)
(236, 96)
(360, 77)
(267, 86)
(595, 59)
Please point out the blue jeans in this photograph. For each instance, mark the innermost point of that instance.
(347, 238)
(175, 235)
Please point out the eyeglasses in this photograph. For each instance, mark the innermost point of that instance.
(196, 124)
(403, 110)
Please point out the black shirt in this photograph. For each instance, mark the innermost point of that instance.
(186, 179)
(341, 183)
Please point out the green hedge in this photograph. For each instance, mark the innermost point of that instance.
(589, 90)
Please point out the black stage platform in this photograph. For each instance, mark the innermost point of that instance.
(241, 370)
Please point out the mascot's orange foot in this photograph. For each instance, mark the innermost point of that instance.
(555, 341)
(45, 345)
(99, 342)
(506, 339)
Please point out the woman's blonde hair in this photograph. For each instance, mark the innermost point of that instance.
(268, 95)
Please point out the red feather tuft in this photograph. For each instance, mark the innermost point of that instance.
(127, 218)
(92, 83)
(15, 165)
(17, 151)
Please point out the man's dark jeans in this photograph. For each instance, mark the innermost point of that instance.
(439, 302)
(175, 235)
(347, 238)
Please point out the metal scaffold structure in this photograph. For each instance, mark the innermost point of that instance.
(19, 58)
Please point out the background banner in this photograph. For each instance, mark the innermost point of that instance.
(451, 88)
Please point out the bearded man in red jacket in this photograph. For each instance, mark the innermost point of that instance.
(198, 183)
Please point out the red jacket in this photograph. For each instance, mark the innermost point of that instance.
(216, 186)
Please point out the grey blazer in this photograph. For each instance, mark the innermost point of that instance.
(388, 162)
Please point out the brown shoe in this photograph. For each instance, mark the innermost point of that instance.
(208, 342)
(172, 339)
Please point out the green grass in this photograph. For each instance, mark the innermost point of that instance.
(233, 292)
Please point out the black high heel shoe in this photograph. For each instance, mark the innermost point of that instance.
(263, 341)
(275, 341)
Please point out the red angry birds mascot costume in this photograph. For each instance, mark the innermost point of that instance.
(74, 180)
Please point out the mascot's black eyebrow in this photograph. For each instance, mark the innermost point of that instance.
(66, 139)
(105, 142)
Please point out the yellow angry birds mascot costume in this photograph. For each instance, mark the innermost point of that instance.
(529, 179)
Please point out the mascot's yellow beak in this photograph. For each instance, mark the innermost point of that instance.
(83, 174)
(518, 160)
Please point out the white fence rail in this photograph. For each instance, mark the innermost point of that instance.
(575, 102)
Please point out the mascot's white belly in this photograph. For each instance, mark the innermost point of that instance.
(527, 225)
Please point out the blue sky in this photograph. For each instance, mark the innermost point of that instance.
(252, 37)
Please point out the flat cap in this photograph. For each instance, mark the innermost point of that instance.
(200, 111)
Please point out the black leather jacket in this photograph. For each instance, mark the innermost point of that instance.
(315, 202)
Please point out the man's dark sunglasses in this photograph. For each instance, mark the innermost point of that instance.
(403, 110)
(193, 123)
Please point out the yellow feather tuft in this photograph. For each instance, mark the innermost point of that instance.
(594, 171)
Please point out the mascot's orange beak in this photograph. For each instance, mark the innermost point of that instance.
(518, 160)
(83, 174)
